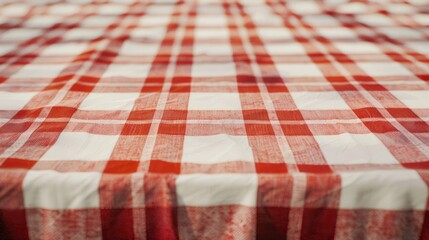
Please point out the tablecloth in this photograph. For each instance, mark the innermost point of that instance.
(214, 119)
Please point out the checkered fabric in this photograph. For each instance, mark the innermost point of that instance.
(214, 119)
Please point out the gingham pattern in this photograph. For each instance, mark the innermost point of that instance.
(214, 119)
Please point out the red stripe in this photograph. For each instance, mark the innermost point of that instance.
(13, 224)
(117, 223)
(318, 223)
(272, 223)
(321, 207)
(160, 211)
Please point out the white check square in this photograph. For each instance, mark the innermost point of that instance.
(305, 7)
(109, 101)
(15, 100)
(213, 69)
(348, 149)
(57, 191)
(389, 189)
(214, 101)
(153, 20)
(321, 20)
(284, 49)
(266, 19)
(269, 33)
(375, 20)
(81, 146)
(211, 33)
(217, 189)
(422, 18)
(413, 99)
(357, 48)
(211, 21)
(98, 21)
(42, 21)
(83, 34)
(130, 48)
(154, 33)
(39, 71)
(64, 49)
(298, 70)
(64, 9)
(212, 49)
(15, 10)
(257, 7)
(128, 70)
(155, 9)
(400, 32)
(19, 34)
(337, 32)
(112, 9)
(378, 69)
(319, 101)
(6, 48)
(420, 47)
(218, 148)
(204, 10)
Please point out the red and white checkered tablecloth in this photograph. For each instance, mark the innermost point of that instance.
(214, 119)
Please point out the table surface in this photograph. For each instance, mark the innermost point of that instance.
(166, 119)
